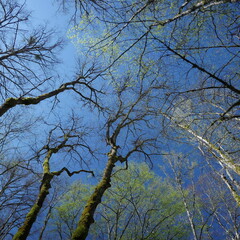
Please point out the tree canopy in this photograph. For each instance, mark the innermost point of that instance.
(139, 205)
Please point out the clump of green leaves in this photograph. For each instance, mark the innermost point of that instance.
(139, 205)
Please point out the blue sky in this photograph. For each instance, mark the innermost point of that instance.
(45, 12)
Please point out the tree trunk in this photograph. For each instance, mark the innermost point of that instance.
(24, 230)
(86, 218)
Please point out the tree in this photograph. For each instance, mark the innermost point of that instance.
(128, 131)
(53, 146)
(139, 205)
(186, 39)
(148, 31)
(25, 57)
(26, 61)
(211, 210)
(218, 139)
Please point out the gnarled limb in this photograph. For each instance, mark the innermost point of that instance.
(12, 102)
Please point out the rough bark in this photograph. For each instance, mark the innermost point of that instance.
(24, 230)
(12, 102)
(87, 217)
